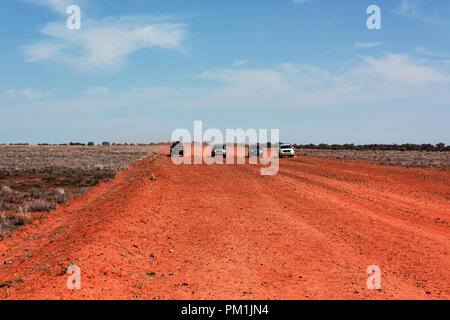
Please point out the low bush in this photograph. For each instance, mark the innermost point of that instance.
(10, 222)
(383, 147)
(39, 205)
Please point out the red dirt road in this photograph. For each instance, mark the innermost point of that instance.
(226, 232)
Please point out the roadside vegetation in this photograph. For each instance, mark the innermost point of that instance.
(397, 156)
(440, 147)
(39, 178)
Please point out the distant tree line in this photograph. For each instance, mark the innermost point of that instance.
(105, 144)
(396, 147)
(348, 146)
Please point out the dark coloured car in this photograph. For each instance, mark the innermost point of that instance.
(255, 150)
(177, 149)
(219, 150)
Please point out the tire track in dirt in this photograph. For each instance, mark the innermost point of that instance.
(431, 215)
(358, 224)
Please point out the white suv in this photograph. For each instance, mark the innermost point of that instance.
(286, 150)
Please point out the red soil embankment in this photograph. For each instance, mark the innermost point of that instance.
(226, 232)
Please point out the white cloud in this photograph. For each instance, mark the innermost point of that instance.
(105, 43)
(431, 53)
(58, 6)
(366, 45)
(240, 63)
(96, 90)
(393, 78)
(29, 94)
(154, 92)
(271, 78)
(411, 10)
(406, 9)
(401, 69)
(289, 67)
(387, 78)
(300, 1)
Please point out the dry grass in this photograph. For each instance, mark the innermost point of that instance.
(417, 159)
(39, 206)
(45, 159)
(37, 178)
(6, 190)
(12, 221)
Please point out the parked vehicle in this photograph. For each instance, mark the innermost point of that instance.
(254, 150)
(219, 150)
(177, 149)
(286, 150)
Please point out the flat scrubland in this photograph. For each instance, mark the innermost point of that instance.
(414, 159)
(38, 178)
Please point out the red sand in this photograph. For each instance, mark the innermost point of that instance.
(226, 232)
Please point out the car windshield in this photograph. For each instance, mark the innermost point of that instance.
(219, 146)
(286, 146)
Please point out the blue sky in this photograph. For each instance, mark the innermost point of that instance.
(139, 69)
